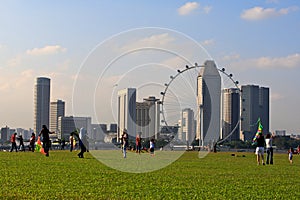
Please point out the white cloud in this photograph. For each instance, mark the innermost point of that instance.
(157, 40)
(290, 61)
(287, 62)
(47, 50)
(188, 8)
(161, 39)
(259, 13)
(209, 42)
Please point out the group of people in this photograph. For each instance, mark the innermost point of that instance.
(21, 147)
(44, 134)
(138, 144)
(259, 151)
(261, 142)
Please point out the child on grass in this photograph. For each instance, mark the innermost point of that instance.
(291, 151)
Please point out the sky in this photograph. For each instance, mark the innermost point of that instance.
(76, 43)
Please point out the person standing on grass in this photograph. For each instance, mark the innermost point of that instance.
(291, 151)
(82, 142)
(13, 142)
(138, 143)
(269, 143)
(260, 148)
(45, 139)
(152, 147)
(32, 142)
(21, 146)
(125, 142)
(71, 141)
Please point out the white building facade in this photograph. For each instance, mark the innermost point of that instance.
(57, 109)
(148, 117)
(126, 112)
(187, 126)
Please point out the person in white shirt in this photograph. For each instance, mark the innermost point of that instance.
(269, 143)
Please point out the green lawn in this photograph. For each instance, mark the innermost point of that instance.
(217, 176)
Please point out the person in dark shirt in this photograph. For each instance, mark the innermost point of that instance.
(32, 142)
(260, 149)
(21, 146)
(45, 139)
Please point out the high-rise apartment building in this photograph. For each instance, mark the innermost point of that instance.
(231, 113)
(57, 109)
(209, 103)
(254, 105)
(41, 103)
(126, 112)
(148, 117)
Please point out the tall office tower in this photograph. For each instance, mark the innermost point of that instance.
(187, 125)
(5, 134)
(209, 103)
(231, 114)
(148, 117)
(41, 103)
(126, 112)
(254, 105)
(66, 125)
(57, 109)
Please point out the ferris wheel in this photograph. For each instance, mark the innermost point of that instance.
(180, 95)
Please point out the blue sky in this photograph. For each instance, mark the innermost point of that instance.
(258, 41)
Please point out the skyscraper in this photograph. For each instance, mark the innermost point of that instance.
(187, 125)
(41, 103)
(254, 105)
(148, 117)
(209, 103)
(57, 109)
(231, 113)
(126, 112)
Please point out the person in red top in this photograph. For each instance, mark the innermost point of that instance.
(138, 143)
(13, 142)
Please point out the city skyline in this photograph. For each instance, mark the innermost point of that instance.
(257, 41)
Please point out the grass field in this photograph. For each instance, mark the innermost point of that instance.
(217, 176)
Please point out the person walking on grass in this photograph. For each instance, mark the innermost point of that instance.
(21, 146)
(13, 142)
(82, 142)
(260, 148)
(45, 139)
